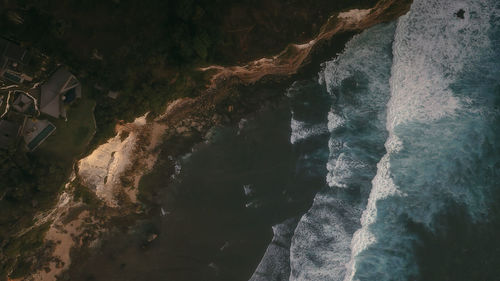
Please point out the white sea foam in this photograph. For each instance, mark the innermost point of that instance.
(323, 235)
(177, 170)
(247, 188)
(383, 187)
(335, 121)
(358, 80)
(428, 59)
(302, 130)
(275, 264)
(432, 48)
(343, 169)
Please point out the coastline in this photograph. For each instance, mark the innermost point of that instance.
(134, 150)
(296, 56)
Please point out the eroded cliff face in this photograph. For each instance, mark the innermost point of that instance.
(104, 168)
(255, 29)
(101, 171)
(295, 56)
(113, 170)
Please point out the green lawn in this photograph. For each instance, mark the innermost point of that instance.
(71, 137)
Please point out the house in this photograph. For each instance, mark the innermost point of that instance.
(12, 59)
(60, 90)
(36, 131)
(23, 104)
(9, 131)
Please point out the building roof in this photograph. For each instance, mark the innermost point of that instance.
(8, 132)
(36, 131)
(12, 51)
(51, 92)
(23, 103)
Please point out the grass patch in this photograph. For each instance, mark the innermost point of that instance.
(71, 137)
(25, 248)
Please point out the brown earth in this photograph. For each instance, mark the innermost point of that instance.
(227, 99)
(294, 56)
(238, 91)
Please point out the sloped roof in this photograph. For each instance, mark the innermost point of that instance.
(36, 131)
(22, 103)
(50, 101)
(12, 51)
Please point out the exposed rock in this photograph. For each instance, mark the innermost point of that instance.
(182, 130)
(120, 156)
(460, 14)
(102, 169)
(152, 237)
(294, 56)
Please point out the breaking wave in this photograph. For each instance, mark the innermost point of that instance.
(358, 81)
(302, 130)
(413, 122)
(440, 120)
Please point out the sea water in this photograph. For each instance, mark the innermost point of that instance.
(414, 136)
(392, 135)
(358, 81)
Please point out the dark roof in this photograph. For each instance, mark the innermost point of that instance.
(12, 77)
(23, 103)
(59, 83)
(70, 95)
(8, 132)
(41, 136)
(12, 51)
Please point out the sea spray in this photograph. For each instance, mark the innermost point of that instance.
(440, 123)
(358, 82)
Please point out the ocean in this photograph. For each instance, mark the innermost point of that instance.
(414, 155)
(384, 166)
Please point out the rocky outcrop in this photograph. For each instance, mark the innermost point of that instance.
(295, 56)
(115, 168)
(102, 169)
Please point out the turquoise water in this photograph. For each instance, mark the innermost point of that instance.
(414, 128)
(385, 166)
(442, 123)
(358, 81)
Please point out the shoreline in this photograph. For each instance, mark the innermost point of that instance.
(296, 56)
(190, 119)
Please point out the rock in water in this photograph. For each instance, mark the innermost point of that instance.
(460, 13)
(152, 237)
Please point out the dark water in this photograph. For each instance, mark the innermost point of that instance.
(220, 206)
(387, 167)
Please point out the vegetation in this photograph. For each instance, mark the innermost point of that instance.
(30, 182)
(72, 136)
(147, 56)
(134, 66)
(25, 247)
(146, 50)
(27, 184)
